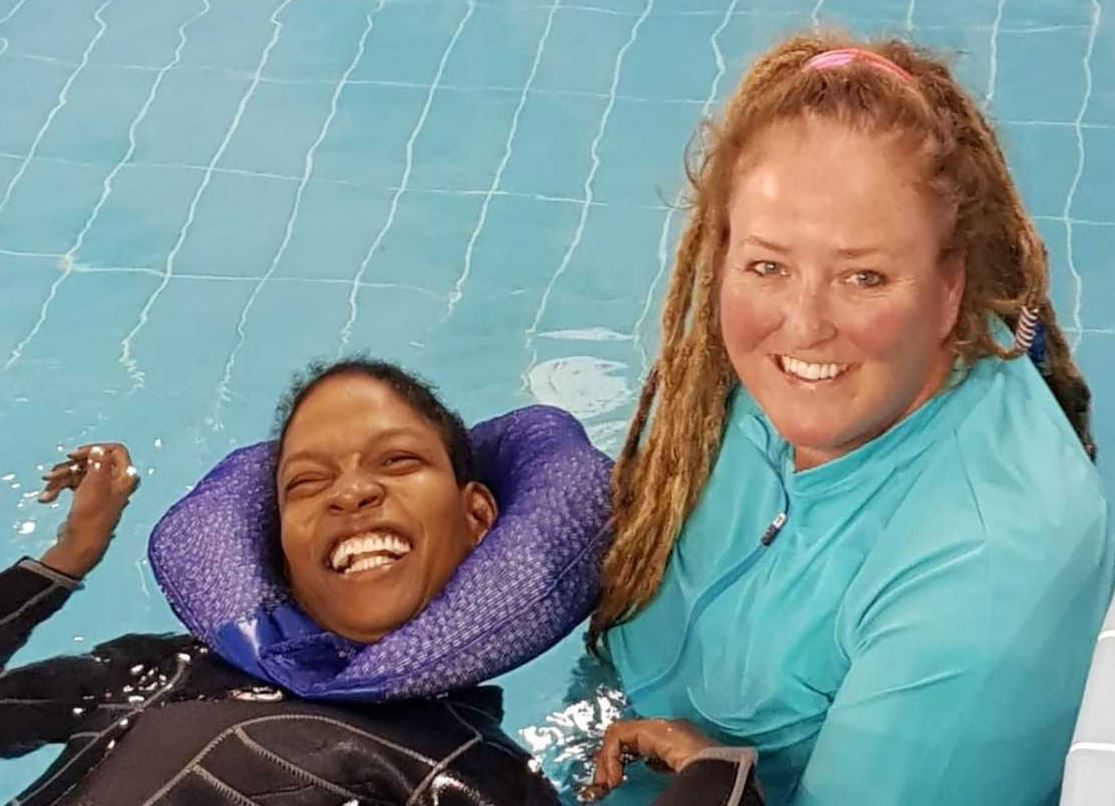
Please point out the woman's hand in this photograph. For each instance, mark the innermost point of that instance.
(669, 743)
(102, 478)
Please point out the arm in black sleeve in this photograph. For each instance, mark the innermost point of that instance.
(48, 701)
(30, 713)
(30, 593)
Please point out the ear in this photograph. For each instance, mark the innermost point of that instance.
(955, 275)
(480, 510)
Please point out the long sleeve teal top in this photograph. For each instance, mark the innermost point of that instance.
(909, 624)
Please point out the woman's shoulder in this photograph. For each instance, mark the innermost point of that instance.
(1022, 464)
(1004, 510)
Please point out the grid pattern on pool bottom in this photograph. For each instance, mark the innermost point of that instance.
(198, 196)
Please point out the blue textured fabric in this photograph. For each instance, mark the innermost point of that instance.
(535, 576)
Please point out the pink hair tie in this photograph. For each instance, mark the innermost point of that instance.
(845, 56)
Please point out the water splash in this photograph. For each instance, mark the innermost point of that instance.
(564, 742)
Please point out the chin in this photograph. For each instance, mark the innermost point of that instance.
(817, 436)
(364, 634)
(354, 625)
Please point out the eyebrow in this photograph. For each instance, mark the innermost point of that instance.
(765, 244)
(316, 456)
(850, 253)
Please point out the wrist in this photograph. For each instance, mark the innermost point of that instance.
(75, 554)
(68, 562)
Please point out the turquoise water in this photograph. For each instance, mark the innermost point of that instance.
(197, 196)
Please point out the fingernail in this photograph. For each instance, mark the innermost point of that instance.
(96, 450)
(96, 465)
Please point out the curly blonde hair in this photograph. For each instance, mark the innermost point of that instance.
(660, 473)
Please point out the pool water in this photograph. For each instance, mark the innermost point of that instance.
(198, 196)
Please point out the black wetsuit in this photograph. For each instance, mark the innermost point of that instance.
(158, 719)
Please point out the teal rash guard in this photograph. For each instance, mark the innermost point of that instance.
(909, 624)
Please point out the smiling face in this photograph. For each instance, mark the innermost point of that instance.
(835, 304)
(373, 519)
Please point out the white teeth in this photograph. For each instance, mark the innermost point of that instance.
(367, 563)
(383, 545)
(808, 371)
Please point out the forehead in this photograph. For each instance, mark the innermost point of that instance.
(348, 410)
(820, 175)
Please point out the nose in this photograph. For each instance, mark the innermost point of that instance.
(807, 318)
(356, 491)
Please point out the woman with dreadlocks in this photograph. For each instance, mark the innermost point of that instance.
(868, 525)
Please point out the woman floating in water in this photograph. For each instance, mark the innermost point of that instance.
(379, 504)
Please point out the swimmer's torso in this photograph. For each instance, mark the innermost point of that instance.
(915, 591)
(202, 753)
(158, 719)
